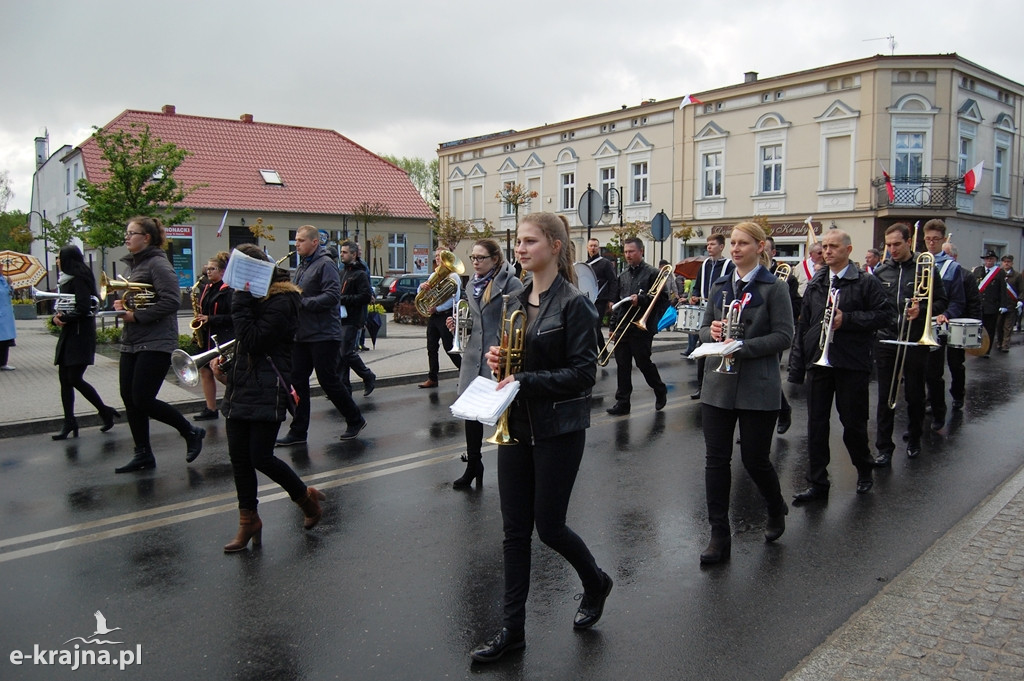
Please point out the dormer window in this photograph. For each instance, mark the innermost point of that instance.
(271, 177)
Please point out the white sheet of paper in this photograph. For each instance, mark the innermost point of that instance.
(481, 402)
(715, 349)
(242, 270)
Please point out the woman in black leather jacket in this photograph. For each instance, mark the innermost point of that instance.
(549, 419)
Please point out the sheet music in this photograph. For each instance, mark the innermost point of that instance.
(242, 270)
(716, 349)
(481, 402)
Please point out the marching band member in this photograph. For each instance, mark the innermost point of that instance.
(215, 315)
(437, 328)
(549, 419)
(860, 307)
(492, 278)
(750, 394)
(711, 268)
(953, 283)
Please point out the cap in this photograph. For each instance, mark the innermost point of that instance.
(989, 254)
(1008, 257)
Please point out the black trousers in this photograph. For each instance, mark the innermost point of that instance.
(535, 483)
(438, 334)
(756, 431)
(251, 449)
(850, 389)
(988, 321)
(140, 376)
(72, 378)
(322, 357)
(935, 382)
(914, 370)
(635, 346)
(957, 374)
(348, 356)
(474, 439)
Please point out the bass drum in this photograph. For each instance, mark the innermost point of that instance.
(586, 280)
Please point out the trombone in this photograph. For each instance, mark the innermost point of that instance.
(629, 318)
(827, 332)
(924, 288)
(513, 336)
(463, 327)
(439, 287)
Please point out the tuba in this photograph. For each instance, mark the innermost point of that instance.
(629, 318)
(924, 288)
(463, 327)
(136, 294)
(513, 336)
(825, 338)
(439, 287)
(186, 367)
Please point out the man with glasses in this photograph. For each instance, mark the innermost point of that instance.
(953, 282)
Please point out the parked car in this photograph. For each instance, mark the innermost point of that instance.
(375, 280)
(385, 284)
(403, 286)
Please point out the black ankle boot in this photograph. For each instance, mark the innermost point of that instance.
(474, 469)
(502, 642)
(70, 426)
(108, 414)
(143, 460)
(718, 551)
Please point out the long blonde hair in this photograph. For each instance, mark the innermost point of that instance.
(556, 228)
(756, 232)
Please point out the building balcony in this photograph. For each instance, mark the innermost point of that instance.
(937, 193)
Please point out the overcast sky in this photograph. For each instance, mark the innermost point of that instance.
(399, 77)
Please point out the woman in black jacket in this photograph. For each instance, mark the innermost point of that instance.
(549, 419)
(215, 317)
(256, 400)
(76, 347)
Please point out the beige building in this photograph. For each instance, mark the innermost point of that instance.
(812, 143)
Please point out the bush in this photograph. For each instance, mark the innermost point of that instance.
(51, 327)
(405, 313)
(187, 344)
(110, 335)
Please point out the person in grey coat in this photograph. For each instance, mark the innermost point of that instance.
(751, 392)
(492, 278)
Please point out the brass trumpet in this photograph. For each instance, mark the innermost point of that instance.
(825, 338)
(137, 295)
(783, 271)
(463, 327)
(513, 336)
(731, 328)
(924, 288)
(186, 367)
(439, 287)
(629, 317)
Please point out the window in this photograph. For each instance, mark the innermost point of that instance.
(639, 173)
(67, 181)
(396, 251)
(568, 184)
(271, 177)
(909, 155)
(1000, 185)
(508, 208)
(771, 168)
(964, 155)
(711, 170)
(458, 210)
(607, 184)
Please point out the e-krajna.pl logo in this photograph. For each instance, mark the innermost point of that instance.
(83, 654)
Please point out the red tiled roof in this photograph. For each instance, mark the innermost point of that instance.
(323, 171)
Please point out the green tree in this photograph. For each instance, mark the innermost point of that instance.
(59, 235)
(140, 181)
(6, 194)
(423, 175)
(515, 195)
(15, 234)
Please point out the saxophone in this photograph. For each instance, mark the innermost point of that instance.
(194, 292)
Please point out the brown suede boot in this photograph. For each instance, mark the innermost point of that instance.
(310, 506)
(249, 527)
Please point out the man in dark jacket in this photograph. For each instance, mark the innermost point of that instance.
(953, 282)
(994, 298)
(1014, 291)
(607, 282)
(318, 339)
(972, 310)
(861, 307)
(355, 296)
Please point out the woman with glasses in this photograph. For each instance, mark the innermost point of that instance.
(150, 336)
(76, 347)
(492, 278)
(215, 318)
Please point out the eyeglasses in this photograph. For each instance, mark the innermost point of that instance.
(128, 235)
(479, 258)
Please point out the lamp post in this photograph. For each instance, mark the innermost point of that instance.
(606, 215)
(46, 242)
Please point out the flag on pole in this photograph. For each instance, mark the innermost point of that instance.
(689, 99)
(973, 177)
(222, 221)
(889, 189)
(812, 238)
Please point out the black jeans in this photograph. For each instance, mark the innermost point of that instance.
(850, 389)
(635, 346)
(348, 357)
(438, 334)
(957, 374)
(322, 357)
(535, 483)
(73, 378)
(935, 380)
(756, 431)
(141, 375)
(914, 369)
(251, 449)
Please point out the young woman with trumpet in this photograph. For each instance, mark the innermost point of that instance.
(749, 392)
(214, 319)
(548, 421)
(492, 278)
(76, 347)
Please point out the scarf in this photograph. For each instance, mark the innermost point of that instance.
(480, 283)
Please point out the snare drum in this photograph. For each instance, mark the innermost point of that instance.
(690, 318)
(964, 333)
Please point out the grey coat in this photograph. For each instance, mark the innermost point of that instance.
(156, 326)
(767, 330)
(486, 324)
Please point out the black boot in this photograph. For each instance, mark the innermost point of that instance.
(108, 414)
(70, 426)
(143, 460)
(718, 551)
(474, 469)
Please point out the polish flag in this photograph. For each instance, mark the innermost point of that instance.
(973, 177)
(889, 189)
(222, 221)
(812, 238)
(689, 99)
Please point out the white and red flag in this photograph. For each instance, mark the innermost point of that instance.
(689, 99)
(222, 221)
(973, 177)
(889, 189)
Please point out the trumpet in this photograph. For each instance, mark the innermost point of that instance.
(825, 339)
(924, 288)
(513, 336)
(137, 295)
(65, 302)
(783, 271)
(731, 328)
(629, 318)
(463, 327)
(439, 287)
(186, 367)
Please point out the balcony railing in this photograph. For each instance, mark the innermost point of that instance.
(918, 192)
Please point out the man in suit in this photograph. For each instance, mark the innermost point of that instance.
(994, 298)
(713, 267)
(1014, 290)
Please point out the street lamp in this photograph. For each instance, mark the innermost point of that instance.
(46, 242)
(606, 216)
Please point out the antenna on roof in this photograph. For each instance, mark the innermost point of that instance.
(892, 42)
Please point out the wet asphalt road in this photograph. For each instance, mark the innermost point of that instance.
(403, 576)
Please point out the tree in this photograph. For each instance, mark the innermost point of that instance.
(59, 235)
(262, 230)
(515, 195)
(423, 175)
(140, 181)
(370, 213)
(15, 234)
(6, 194)
(451, 230)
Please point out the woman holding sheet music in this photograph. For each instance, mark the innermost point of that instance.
(548, 418)
(492, 278)
(750, 391)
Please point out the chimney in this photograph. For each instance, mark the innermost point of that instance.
(750, 77)
(167, 109)
(246, 118)
(42, 149)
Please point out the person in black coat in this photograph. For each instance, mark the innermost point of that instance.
(76, 347)
(215, 316)
(257, 399)
(994, 298)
